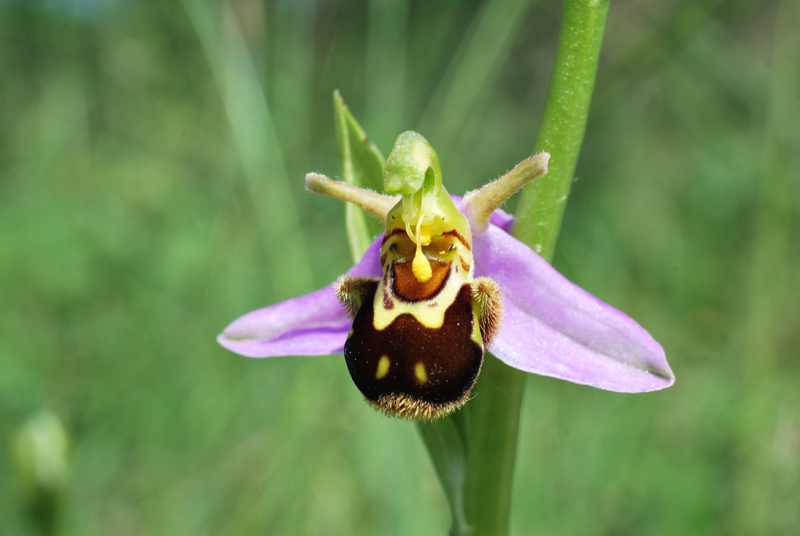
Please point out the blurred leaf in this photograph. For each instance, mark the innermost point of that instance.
(473, 69)
(256, 142)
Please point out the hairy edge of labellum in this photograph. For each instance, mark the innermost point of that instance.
(407, 407)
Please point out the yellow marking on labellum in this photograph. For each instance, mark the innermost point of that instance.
(383, 367)
(430, 317)
(420, 372)
(430, 311)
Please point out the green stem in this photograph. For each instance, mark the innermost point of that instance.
(492, 423)
(563, 123)
(492, 417)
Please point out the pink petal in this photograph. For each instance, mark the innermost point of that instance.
(314, 324)
(554, 328)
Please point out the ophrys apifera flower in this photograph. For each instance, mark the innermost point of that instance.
(444, 284)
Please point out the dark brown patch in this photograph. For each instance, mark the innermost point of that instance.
(465, 265)
(459, 238)
(408, 288)
(387, 299)
(451, 359)
(393, 232)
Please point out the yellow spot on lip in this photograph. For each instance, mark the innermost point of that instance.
(420, 372)
(383, 367)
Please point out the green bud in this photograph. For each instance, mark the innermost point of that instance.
(40, 449)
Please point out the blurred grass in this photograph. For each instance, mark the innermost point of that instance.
(141, 211)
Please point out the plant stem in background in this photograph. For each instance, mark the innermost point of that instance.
(492, 417)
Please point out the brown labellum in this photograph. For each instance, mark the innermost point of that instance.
(412, 371)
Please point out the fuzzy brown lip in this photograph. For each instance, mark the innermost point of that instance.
(450, 358)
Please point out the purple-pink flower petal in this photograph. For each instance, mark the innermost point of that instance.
(551, 327)
(554, 328)
(314, 324)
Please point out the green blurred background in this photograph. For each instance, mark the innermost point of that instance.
(151, 165)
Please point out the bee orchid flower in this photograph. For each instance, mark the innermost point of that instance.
(444, 284)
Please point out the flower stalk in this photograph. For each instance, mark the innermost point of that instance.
(493, 415)
(563, 125)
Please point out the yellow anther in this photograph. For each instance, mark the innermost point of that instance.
(424, 237)
(423, 233)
